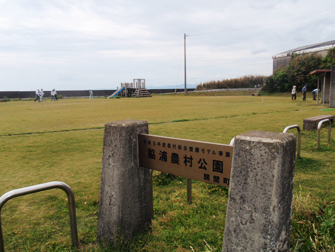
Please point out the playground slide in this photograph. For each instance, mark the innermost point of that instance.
(115, 93)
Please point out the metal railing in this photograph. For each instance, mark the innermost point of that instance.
(38, 188)
(299, 136)
(319, 130)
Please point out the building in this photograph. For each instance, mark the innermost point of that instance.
(281, 60)
(326, 82)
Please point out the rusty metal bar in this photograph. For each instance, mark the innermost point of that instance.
(319, 130)
(317, 98)
(189, 191)
(323, 90)
(152, 193)
(299, 136)
(38, 188)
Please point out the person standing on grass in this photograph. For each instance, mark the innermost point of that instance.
(294, 93)
(37, 95)
(304, 90)
(91, 94)
(41, 95)
(55, 92)
(53, 95)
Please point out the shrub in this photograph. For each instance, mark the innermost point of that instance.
(329, 60)
(296, 73)
(5, 99)
(249, 81)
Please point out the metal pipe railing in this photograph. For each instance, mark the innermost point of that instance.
(189, 191)
(319, 130)
(299, 136)
(38, 188)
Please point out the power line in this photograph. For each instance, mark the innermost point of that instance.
(258, 26)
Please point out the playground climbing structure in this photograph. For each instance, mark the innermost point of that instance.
(132, 89)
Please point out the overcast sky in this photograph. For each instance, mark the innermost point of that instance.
(97, 44)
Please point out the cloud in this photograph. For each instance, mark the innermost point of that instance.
(75, 44)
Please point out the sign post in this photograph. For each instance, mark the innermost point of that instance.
(259, 169)
(202, 161)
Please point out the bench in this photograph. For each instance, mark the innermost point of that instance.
(312, 122)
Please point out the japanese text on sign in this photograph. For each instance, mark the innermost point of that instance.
(207, 162)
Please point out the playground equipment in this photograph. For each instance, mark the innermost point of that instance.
(132, 89)
(116, 92)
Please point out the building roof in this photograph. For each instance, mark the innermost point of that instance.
(317, 72)
(307, 49)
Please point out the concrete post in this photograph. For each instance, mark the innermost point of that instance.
(260, 194)
(125, 206)
(332, 88)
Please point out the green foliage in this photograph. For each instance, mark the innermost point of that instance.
(313, 223)
(5, 99)
(329, 60)
(244, 82)
(59, 97)
(296, 73)
(277, 83)
(212, 189)
(165, 179)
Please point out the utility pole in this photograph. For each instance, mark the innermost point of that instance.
(189, 181)
(185, 91)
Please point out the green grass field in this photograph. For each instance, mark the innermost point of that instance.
(42, 142)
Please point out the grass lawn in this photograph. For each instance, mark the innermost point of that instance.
(42, 142)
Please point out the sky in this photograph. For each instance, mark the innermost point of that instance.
(97, 44)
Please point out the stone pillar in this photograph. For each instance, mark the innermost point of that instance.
(260, 194)
(332, 88)
(125, 206)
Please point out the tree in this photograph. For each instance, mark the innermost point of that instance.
(296, 73)
(329, 60)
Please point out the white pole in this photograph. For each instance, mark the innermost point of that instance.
(185, 91)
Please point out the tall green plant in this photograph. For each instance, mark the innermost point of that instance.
(300, 68)
(313, 223)
(329, 60)
(296, 73)
(243, 82)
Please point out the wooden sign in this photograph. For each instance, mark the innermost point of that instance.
(207, 162)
